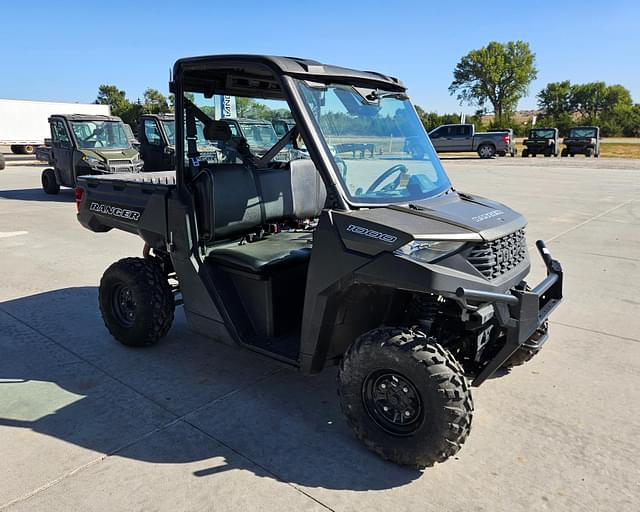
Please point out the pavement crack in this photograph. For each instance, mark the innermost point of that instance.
(595, 217)
(595, 331)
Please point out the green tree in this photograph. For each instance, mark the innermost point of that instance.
(155, 102)
(499, 74)
(114, 97)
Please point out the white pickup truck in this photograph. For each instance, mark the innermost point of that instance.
(458, 138)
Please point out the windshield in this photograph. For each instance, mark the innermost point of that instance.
(170, 130)
(259, 135)
(542, 134)
(580, 133)
(100, 135)
(377, 142)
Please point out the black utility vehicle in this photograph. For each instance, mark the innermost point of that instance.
(583, 140)
(541, 141)
(83, 145)
(410, 286)
(156, 134)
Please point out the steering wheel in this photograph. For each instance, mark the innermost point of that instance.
(400, 169)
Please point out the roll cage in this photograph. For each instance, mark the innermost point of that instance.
(265, 77)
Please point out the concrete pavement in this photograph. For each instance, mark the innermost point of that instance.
(87, 424)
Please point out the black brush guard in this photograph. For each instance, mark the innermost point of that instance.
(521, 312)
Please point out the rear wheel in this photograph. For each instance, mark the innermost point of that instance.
(405, 396)
(588, 152)
(136, 301)
(49, 182)
(525, 153)
(565, 152)
(486, 151)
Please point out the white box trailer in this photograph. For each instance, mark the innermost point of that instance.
(24, 123)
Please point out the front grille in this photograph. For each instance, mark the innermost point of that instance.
(116, 163)
(493, 259)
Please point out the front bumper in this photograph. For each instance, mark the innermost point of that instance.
(521, 312)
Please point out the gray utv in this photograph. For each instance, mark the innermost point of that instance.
(412, 288)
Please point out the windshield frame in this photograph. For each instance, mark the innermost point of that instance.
(72, 122)
(318, 135)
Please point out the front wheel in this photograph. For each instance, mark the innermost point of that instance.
(405, 396)
(136, 301)
(49, 182)
(486, 151)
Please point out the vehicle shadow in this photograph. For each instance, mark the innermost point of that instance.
(187, 399)
(37, 194)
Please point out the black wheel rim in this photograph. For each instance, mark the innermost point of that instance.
(393, 402)
(123, 305)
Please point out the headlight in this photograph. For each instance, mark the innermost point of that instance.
(92, 161)
(428, 250)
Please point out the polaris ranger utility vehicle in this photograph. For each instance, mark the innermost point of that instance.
(583, 140)
(158, 139)
(83, 145)
(156, 134)
(541, 141)
(410, 286)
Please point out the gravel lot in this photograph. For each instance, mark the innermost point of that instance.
(87, 424)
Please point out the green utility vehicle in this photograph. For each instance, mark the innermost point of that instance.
(84, 145)
(541, 141)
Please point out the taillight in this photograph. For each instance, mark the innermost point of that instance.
(506, 139)
(79, 195)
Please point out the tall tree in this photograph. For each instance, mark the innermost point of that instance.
(110, 95)
(155, 102)
(499, 74)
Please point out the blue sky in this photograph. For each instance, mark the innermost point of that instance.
(63, 50)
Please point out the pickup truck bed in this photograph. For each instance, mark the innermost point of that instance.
(133, 202)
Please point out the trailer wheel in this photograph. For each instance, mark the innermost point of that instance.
(405, 397)
(486, 151)
(136, 301)
(49, 182)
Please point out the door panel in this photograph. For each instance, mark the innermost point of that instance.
(62, 152)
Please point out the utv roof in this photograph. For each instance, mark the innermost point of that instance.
(213, 73)
(162, 117)
(87, 117)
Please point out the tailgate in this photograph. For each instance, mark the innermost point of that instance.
(137, 206)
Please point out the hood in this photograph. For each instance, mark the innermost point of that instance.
(110, 154)
(452, 216)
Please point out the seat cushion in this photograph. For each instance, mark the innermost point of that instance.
(263, 255)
